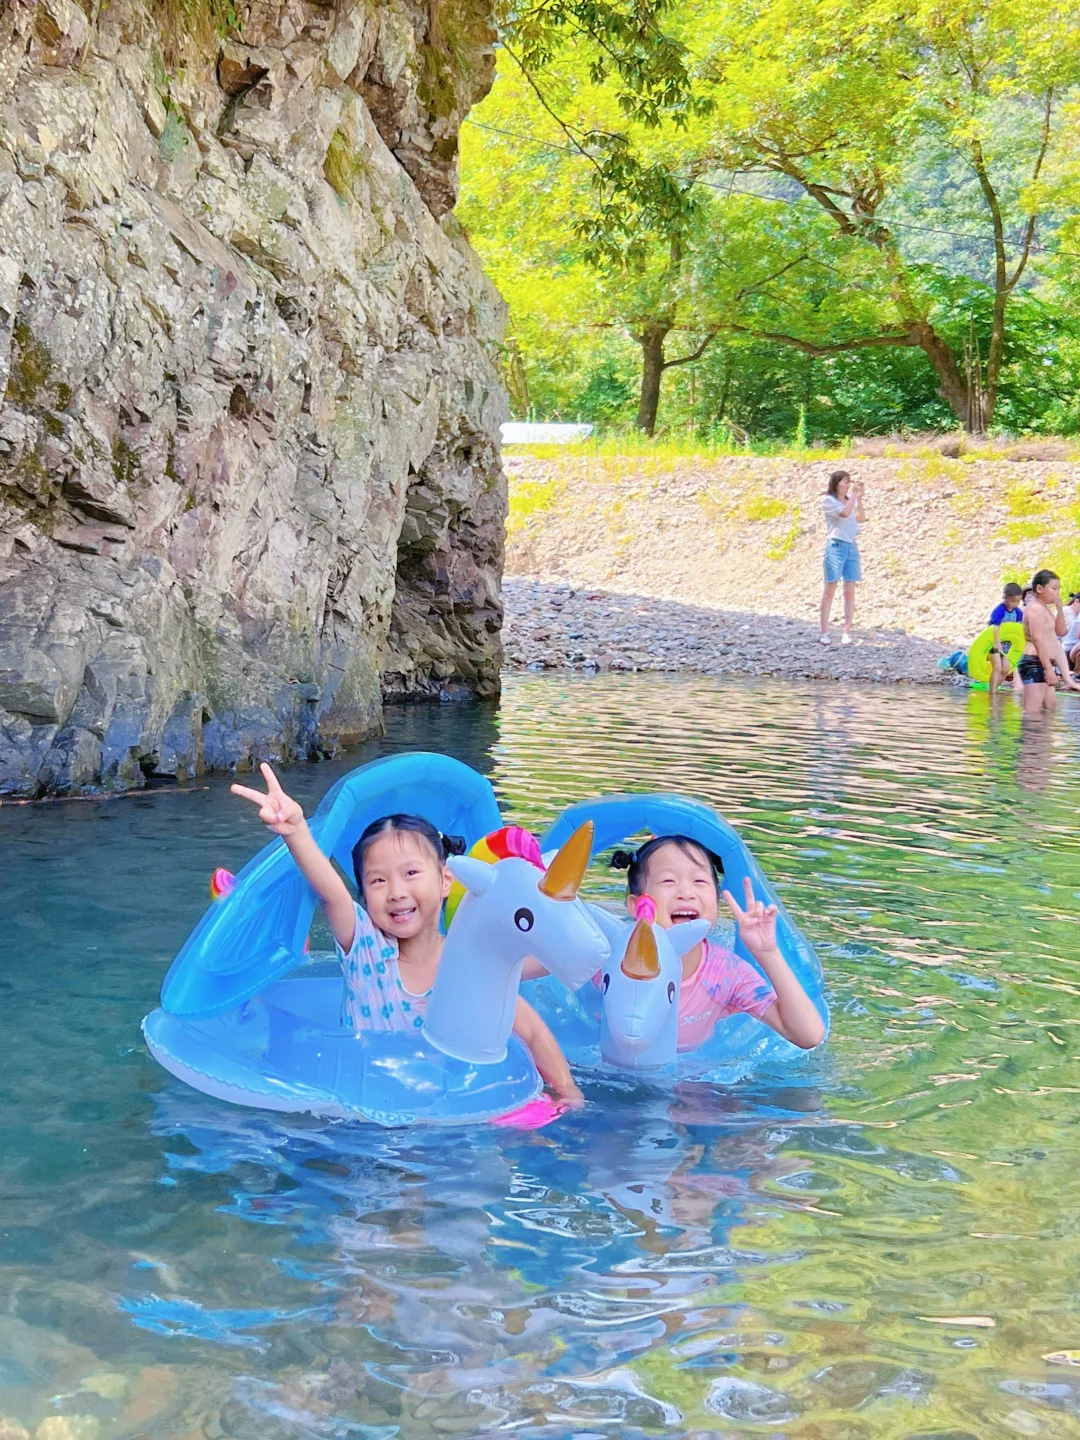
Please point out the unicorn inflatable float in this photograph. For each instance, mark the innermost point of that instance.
(632, 1018)
(234, 1023)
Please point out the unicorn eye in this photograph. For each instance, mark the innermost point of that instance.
(607, 982)
(523, 919)
(671, 992)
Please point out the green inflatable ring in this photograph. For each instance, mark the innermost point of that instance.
(978, 657)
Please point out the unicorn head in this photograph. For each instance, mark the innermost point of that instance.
(639, 1017)
(511, 909)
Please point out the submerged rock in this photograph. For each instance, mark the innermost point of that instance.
(249, 476)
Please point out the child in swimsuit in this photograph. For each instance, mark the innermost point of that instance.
(683, 881)
(390, 944)
(1009, 610)
(1044, 625)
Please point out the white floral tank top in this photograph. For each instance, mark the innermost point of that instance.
(374, 997)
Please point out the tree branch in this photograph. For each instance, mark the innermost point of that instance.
(571, 137)
(1029, 229)
(808, 347)
(685, 359)
(820, 193)
(768, 279)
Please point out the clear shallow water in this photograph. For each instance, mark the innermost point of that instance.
(777, 1258)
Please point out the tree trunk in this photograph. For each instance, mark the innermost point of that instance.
(952, 386)
(651, 341)
(725, 393)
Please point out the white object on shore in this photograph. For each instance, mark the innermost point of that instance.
(526, 432)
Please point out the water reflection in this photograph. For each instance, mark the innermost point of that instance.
(876, 1242)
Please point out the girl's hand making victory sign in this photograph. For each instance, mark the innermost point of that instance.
(278, 812)
(757, 923)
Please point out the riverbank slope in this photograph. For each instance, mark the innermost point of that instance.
(715, 565)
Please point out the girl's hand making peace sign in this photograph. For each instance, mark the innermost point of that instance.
(278, 812)
(757, 923)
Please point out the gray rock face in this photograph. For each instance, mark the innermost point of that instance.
(249, 476)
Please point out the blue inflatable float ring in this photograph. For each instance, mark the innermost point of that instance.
(235, 1024)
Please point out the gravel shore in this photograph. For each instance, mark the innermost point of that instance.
(715, 565)
(552, 626)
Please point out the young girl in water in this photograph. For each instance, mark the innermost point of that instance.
(390, 944)
(683, 881)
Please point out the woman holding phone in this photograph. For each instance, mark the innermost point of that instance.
(843, 515)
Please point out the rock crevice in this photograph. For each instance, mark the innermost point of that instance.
(249, 471)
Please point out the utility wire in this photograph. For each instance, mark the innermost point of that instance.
(731, 189)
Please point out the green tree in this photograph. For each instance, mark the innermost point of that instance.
(894, 127)
(535, 203)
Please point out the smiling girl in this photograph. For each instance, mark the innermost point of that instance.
(683, 882)
(390, 941)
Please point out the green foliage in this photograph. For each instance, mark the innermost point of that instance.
(528, 498)
(759, 506)
(815, 186)
(195, 22)
(1022, 500)
(782, 546)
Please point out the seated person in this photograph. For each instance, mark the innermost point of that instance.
(390, 944)
(683, 881)
(1009, 610)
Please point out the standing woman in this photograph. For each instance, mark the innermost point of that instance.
(843, 515)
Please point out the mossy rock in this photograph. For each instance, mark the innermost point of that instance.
(343, 167)
(31, 368)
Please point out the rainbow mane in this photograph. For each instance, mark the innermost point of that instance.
(511, 840)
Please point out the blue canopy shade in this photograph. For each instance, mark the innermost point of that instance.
(617, 817)
(257, 932)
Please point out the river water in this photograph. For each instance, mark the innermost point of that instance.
(878, 1241)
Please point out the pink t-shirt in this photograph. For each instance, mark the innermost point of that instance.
(722, 985)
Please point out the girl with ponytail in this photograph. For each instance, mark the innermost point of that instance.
(671, 880)
(389, 941)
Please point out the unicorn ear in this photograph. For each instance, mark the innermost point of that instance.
(685, 936)
(641, 962)
(476, 875)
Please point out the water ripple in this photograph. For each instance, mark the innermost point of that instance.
(878, 1242)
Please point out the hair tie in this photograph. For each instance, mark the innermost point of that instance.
(621, 859)
(645, 909)
(453, 844)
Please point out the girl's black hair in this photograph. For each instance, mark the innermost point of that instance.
(637, 861)
(836, 479)
(441, 845)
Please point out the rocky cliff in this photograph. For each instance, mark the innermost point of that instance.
(249, 478)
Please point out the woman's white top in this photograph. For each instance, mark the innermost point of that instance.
(837, 526)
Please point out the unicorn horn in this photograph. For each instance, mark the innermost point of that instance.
(641, 962)
(567, 870)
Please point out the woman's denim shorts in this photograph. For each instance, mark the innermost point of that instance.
(841, 561)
